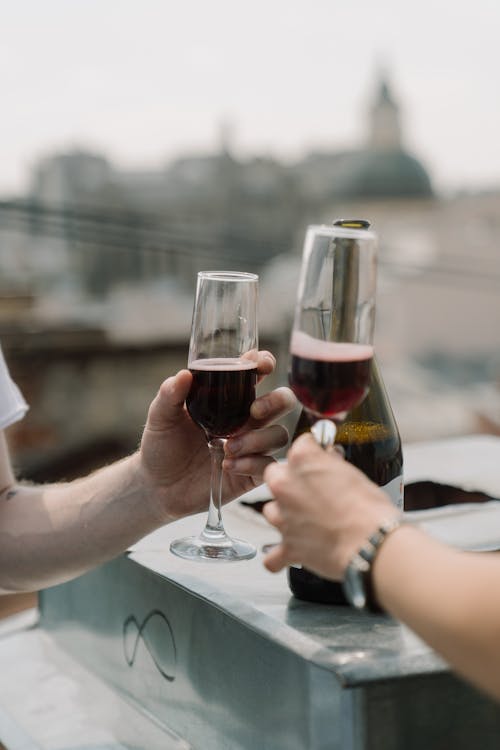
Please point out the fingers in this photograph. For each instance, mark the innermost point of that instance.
(305, 453)
(266, 363)
(169, 402)
(267, 440)
(275, 560)
(274, 475)
(270, 407)
(305, 446)
(273, 514)
(251, 466)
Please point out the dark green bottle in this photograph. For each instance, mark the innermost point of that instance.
(371, 442)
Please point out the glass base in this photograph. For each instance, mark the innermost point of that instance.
(203, 549)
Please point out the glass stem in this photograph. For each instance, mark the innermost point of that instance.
(214, 528)
(324, 431)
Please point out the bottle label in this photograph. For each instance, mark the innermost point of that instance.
(395, 491)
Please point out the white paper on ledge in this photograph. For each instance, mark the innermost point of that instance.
(468, 526)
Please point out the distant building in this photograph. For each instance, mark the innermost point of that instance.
(86, 221)
(206, 209)
(380, 169)
(70, 178)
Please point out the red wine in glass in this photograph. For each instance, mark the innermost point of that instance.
(222, 392)
(223, 355)
(329, 377)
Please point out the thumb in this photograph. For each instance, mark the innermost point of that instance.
(168, 405)
(305, 445)
(276, 559)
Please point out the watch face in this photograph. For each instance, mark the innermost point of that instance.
(353, 585)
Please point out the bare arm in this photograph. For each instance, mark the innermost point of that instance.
(450, 598)
(50, 533)
(326, 510)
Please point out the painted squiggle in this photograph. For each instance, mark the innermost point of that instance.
(154, 624)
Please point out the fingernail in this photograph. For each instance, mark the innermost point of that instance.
(233, 446)
(228, 464)
(260, 409)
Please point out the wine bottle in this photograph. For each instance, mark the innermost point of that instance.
(370, 440)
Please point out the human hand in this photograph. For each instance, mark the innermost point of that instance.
(324, 508)
(174, 456)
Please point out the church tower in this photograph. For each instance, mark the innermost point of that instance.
(385, 128)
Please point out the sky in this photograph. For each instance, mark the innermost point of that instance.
(142, 81)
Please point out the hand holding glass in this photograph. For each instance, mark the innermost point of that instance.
(223, 361)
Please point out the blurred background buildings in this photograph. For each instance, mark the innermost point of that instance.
(98, 266)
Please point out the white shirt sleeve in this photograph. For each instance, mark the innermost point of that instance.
(13, 407)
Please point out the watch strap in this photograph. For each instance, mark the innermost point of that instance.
(361, 566)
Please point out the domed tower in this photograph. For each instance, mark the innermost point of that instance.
(385, 127)
(384, 169)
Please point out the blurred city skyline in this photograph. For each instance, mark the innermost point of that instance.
(143, 142)
(145, 82)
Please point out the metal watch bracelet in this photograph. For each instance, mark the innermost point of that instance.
(357, 583)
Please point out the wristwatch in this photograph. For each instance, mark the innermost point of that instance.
(357, 583)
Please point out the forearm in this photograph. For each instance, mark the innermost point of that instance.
(449, 598)
(50, 533)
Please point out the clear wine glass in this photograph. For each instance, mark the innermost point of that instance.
(331, 343)
(223, 361)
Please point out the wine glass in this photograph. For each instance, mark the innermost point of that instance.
(223, 361)
(331, 343)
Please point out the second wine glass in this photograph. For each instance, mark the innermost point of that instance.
(331, 344)
(223, 361)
